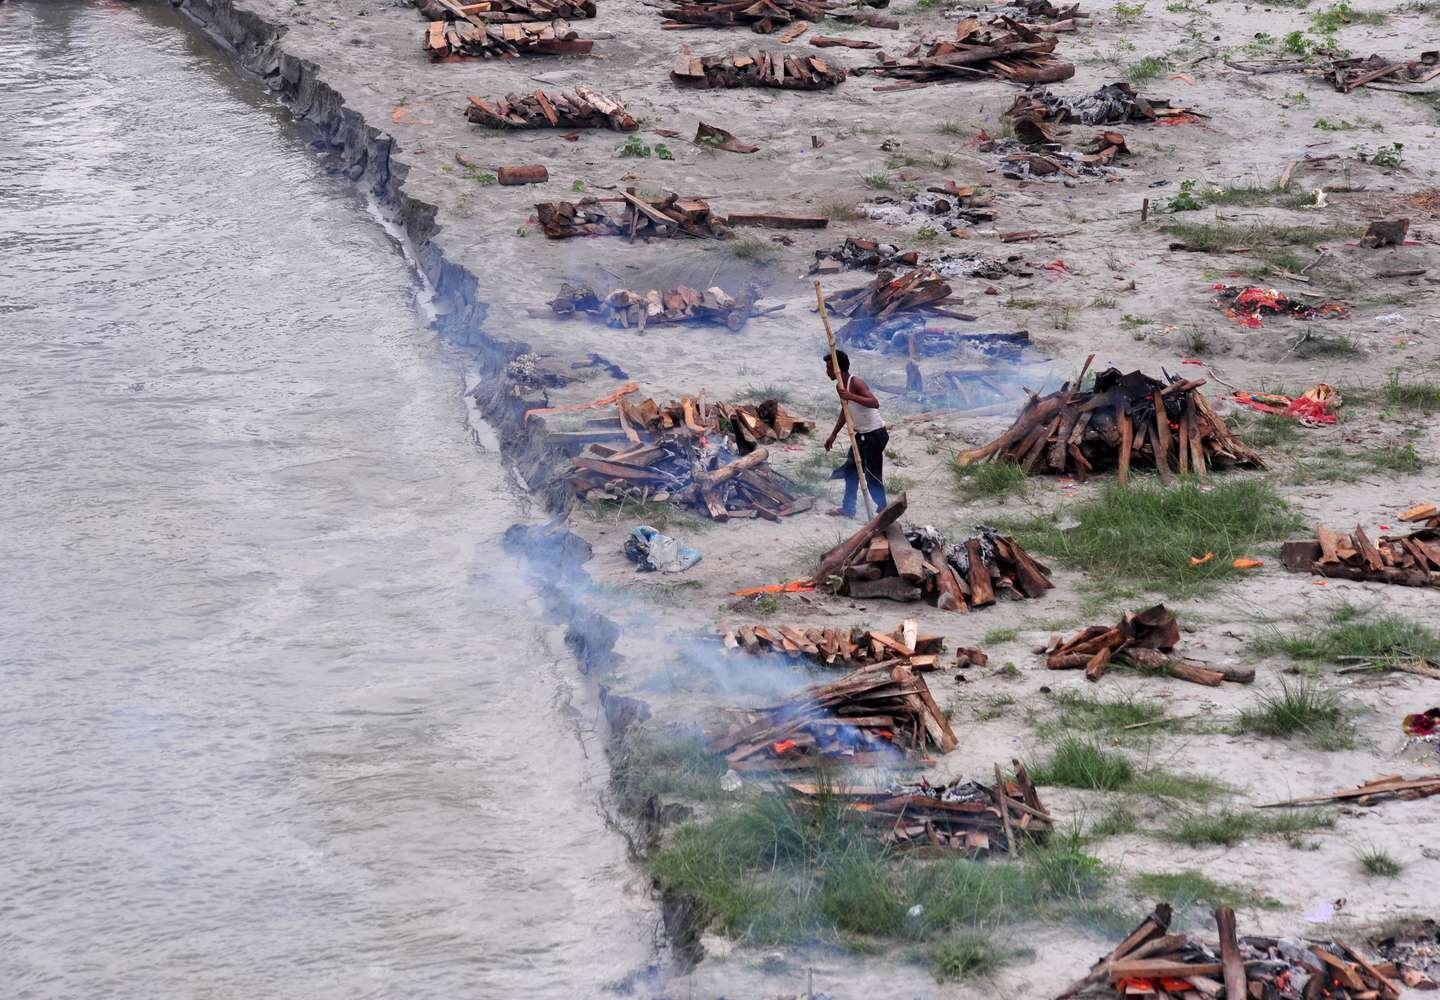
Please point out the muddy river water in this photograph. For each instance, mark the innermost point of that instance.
(277, 718)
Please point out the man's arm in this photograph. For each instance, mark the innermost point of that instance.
(839, 423)
(860, 393)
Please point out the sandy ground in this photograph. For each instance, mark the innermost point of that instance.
(1123, 295)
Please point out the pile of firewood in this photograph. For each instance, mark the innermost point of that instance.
(1120, 421)
(688, 474)
(966, 817)
(1042, 12)
(1347, 74)
(466, 39)
(755, 424)
(863, 255)
(1005, 49)
(756, 68)
(1411, 560)
(749, 424)
(883, 559)
(623, 308)
(1151, 962)
(583, 107)
(846, 648)
(763, 16)
(671, 215)
(501, 11)
(1143, 638)
(918, 292)
(874, 716)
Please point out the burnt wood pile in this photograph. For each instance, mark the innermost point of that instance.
(1004, 49)
(878, 715)
(847, 648)
(1347, 74)
(1152, 962)
(671, 458)
(1410, 560)
(632, 217)
(501, 11)
(468, 40)
(1043, 13)
(760, 423)
(1122, 420)
(763, 16)
(1145, 639)
(863, 255)
(1108, 105)
(916, 294)
(756, 68)
(582, 107)
(623, 308)
(962, 817)
(883, 559)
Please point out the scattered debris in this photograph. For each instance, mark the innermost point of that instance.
(1414, 950)
(846, 648)
(874, 716)
(947, 208)
(920, 291)
(1116, 424)
(1385, 233)
(830, 42)
(1112, 103)
(1313, 408)
(1143, 638)
(1006, 50)
(965, 817)
(763, 16)
(1427, 512)
(464, 39)
(1152, 962)
(1347, 74)
(863, 255)
(1422, 729)
(525, 173)
(756, 68)
(884, 559)
(501, 11)
(645, 217)
(582, 107)
(1246, 304)
(1052, 162)
(717, 138)
(623, 308)
(1041, 12)
(1381, 789)
(1411, 560)
(653, 551)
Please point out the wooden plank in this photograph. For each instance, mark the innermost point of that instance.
(909, 563)
(1161, 449)
(834, 561)
(774, 220)
(1231, 964)
(1122, 420)
(982, 594)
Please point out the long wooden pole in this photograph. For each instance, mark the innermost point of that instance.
(845, 408)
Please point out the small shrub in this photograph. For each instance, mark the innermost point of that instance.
(1079, 764)
(1185, 200)
(877, 181)
(633, 147)
(996, 636)
(968, 955)
(753, 248)
(1378, 862)
(1388, 156)
(1302, 708)
(1128, 13)
(1146, 69)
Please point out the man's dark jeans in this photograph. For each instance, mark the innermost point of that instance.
(872, 455)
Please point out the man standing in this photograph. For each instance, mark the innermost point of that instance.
(870, 431)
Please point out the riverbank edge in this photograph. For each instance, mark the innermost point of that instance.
(360, 153)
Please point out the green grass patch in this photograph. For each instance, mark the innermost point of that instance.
(998, 635)
(662, 516)
(1412, 394)
(1146, 69)
(1116, 821)
(878, 181)
(1231, 826)
(841, 211)
(1145, 535)
(1269, 242)
(1334, 464)
(1079, 711)
(1352, 636)
(1242, 194)
(971, 955)
(787, 871)
(1378, 862)
(1078, 763)
(1302, 708)
(760, 393)
(665, 761)
(989, 480)
(1189, 889)
(1265, 430)
(753, 248)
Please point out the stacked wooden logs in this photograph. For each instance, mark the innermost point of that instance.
(1122, 420)
(644, 218)
(582, 107)
(1410, 560)
(502, 11)
(1005, 49)
(763, 16)
(847, 648)
(756, 68)
(468, 40)
(1143, 638)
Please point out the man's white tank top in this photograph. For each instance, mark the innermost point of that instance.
(862, 418)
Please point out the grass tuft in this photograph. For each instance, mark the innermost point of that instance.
(1190, 888)
(1078, 763)
(1420, 394)
(989, 480)
(1076, 710)
(970, 955)
(1352, 636)
(1230, 826)
(1378, 862)
(1145, 535)
(753, 248)
(1303, 708)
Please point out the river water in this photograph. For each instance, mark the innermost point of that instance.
(277, 717)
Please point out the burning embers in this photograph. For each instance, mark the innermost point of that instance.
(1122, 420)
(963, 817)
(686, 461)
(1152, 962)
